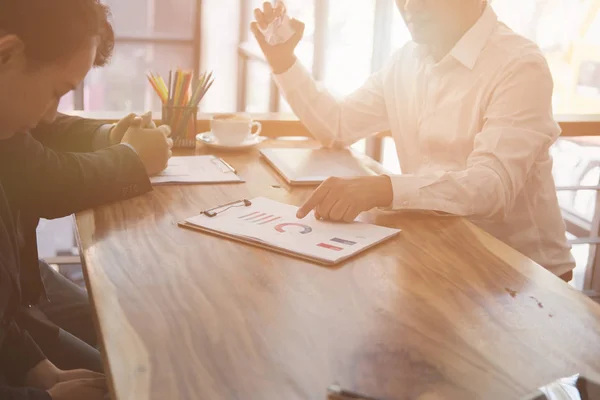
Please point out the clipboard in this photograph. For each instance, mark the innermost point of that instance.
(271, 225)
(310, 167)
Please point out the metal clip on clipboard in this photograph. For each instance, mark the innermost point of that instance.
(222, 165)
(213, 212)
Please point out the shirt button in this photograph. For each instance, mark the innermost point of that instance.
(405, 203)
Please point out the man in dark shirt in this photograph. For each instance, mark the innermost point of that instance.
(67, 305)
(46, 49)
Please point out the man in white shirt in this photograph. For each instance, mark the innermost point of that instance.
(469, 105)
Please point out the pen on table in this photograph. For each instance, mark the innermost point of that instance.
(228, 166)
(335, 391)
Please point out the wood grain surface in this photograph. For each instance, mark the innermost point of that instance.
(443, 311)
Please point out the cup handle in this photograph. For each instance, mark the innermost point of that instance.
(258, 126)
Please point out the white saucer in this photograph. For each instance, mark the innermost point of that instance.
(209, 139)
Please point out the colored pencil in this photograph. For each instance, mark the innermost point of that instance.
(180, 97)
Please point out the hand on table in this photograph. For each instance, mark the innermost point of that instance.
(67, 385)
(118, 130)
(281, 56)
(343, 199)
(78, 374)
(79, 389)
(153, 145)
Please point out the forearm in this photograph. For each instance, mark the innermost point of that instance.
(52, 184)
(333, 122)
(73, 134)
(91, 180)
(481, 192)
(101, 138)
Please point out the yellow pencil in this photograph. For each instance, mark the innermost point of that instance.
(157, 89)
(163, 86)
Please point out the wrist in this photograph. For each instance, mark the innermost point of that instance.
(385, 190)
(43, 376)
(102, 137)
(111, 137)
(130, 146)
(282, 65)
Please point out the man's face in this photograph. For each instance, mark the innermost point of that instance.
(30, 94)
(429, 21)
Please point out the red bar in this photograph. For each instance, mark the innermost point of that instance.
(329, 247)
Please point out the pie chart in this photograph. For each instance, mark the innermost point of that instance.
(293, 227)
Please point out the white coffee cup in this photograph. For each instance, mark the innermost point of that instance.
(234, 129)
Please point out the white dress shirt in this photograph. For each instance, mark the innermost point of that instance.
(472, 132)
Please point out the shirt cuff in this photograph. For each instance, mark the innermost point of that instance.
(101, 137)
(292, 78)
(128, 145)
(405, 189)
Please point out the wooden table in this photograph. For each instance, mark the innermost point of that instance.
(443, 311)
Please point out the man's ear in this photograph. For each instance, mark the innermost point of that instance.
(11, 50)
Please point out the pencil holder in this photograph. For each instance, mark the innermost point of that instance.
(182, 120)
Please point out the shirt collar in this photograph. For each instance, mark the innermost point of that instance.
(468, 49)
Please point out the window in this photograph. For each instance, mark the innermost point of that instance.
(153, 18)
(568, 32)
(122, 85)
(66, 103)
(150, 35)
(257, 98)
(219, 39)
(349, 45)
(255, 82)
(400, 33)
